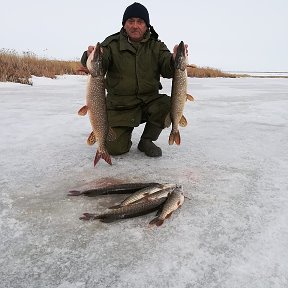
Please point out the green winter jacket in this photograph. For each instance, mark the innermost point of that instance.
(133, 75)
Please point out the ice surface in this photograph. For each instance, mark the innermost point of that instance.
(232, 163)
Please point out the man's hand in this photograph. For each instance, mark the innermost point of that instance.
(175, 50)
(90, 50)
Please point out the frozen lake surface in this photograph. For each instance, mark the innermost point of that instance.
(232, 163)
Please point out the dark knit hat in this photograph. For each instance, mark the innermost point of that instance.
(136, 10)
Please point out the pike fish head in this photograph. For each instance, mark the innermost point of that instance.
(94, 61)
(181, 57)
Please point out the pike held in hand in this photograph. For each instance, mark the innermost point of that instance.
(96, 106)
(178, 95)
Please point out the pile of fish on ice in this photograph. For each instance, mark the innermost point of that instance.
(145, 198)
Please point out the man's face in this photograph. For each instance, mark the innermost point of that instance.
(135, 28)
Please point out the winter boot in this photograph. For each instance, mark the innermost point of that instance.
(150, 133)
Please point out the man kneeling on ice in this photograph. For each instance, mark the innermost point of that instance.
(133, 60)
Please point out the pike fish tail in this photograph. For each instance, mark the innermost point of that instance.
(102, 155)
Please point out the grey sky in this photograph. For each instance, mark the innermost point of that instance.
(246, 35)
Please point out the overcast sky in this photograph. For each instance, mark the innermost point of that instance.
(246, 35)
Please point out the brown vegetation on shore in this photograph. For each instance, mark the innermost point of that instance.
(20, 68)
(207, 72)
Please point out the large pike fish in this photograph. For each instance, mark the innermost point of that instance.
(174, 201)
(178, 95)
(96, 106)
(132, 210)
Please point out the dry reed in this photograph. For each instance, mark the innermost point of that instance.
(207, 72)
(20, 68)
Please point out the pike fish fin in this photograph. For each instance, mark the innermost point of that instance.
(168, 215)
(91, 139)
(189, 97)
(103, 155)
(183, 121)
(159, 222)
(167, 121)
(174, 138)
(153, 221)
(83, 111)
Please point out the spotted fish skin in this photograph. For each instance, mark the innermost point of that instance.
(174, 201)
(143, 193)
(178, 95)
(164, 192)
(96, 106)
(129, 211)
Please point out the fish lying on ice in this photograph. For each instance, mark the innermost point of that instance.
(142, 193)
(132, 210)
(124, 188)
(165, 192)
(174, 201)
